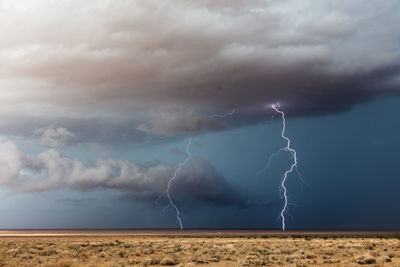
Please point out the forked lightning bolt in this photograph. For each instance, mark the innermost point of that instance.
(292, 167)
(178, 169)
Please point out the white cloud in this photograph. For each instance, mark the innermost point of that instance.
(56, 137)
(51, 171)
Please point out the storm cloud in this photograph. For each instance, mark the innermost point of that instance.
(137, 60)
(171, 124)
(97, 97)
(49, 170)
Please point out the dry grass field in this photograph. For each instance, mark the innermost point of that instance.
(124, 249)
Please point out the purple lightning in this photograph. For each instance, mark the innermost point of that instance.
(292, 167)
(171, 180)
(276, 154)
(224, 115)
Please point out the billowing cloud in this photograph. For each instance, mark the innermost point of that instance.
(113, 62)
(51, 171)
(56, 137)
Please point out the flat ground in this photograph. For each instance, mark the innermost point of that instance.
(198, 248)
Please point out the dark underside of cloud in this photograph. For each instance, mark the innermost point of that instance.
(198, 181)
(163, 68)
(128, 72)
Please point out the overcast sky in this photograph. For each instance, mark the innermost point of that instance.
(100, 97)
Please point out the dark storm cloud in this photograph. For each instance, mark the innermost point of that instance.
(49, 170)
(137, 60)
(176, 123)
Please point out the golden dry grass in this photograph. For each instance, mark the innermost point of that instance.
(197, 251)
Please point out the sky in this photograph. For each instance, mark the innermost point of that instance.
(100, 98)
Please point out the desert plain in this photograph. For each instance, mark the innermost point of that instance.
(198, 248)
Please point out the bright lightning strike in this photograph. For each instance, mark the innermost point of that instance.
(178, 169)
(292, 167)
(172, 179)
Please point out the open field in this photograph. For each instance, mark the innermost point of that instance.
(198, 248)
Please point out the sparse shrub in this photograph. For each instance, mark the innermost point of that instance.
(48, 252)
(331, 261)
(214, 259)
(168, 261)
(133, 261)
(262, 251)
(201, 260)
(365, 259)
(74, 247)
(150, 261)
(329, 252)
(149, 251)
(391, 255)
(39, 247)
(285, 251)
(387, 259)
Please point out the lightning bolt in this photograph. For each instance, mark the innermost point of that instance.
(292, 167)
(276, 154)
(224, 115)
(167, 192)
